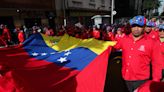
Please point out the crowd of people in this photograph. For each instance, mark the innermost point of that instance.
(141, 42)
(18, 35)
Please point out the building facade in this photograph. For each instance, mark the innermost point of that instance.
(26, 12)
(82, 10)
(51, 12)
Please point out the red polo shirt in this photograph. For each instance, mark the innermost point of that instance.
(153, 35)
(136, 57)
(162, 51)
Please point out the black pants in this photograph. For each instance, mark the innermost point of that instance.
(162, 73)
(132, 85)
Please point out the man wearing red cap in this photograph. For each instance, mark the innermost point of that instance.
(137, 53)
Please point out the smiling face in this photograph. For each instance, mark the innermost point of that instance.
(137, 31)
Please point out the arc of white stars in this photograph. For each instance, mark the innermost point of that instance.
(43, 54)
(67, 53)
(35, 54)
(62, 59)
(52, 53)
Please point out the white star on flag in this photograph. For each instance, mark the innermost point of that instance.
(35, 54)
(43, 54)
(52, 53)
(62, 59)
(68, 53)
(66, 50)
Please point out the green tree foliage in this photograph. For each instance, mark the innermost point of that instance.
(151, 4)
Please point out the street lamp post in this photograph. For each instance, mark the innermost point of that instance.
(64, 13)
(112, 6)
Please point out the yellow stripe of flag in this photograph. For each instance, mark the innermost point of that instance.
(67, 42)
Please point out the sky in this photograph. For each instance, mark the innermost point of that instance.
(160, 9)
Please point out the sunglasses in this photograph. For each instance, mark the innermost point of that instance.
(161, 30)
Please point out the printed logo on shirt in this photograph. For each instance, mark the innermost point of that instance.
(142, 48)
(153, 36)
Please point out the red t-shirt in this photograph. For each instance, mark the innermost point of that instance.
(119, 36)
(6, 34)
(110, 36)
(21, 37)
(96, 34)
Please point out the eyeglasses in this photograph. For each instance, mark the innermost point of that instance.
(161, 30)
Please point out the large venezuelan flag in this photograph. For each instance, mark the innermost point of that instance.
(46, 64)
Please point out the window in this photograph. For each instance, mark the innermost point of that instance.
(103, 1)
(92, 5)
(92, 0)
